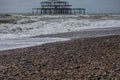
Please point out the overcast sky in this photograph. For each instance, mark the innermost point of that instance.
(92, 6)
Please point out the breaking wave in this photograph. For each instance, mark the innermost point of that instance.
(30, 26)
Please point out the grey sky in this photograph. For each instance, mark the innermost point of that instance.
(92, 6)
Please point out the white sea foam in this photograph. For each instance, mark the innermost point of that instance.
(40, 25)
(16, 35)
(26, 42)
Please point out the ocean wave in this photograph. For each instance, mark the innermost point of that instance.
(30, 26)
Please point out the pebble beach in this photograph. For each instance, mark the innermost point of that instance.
(95, 58)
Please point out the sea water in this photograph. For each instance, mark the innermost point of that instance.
(11, 34)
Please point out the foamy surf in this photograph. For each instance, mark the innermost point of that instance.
(30, 26)
(19, 34)
(27, 42)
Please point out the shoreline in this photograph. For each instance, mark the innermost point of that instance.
(84, 58)
(50, 38)
(86, 33)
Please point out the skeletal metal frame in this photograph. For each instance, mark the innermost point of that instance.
(57, 7)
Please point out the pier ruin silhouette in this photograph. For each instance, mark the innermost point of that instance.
(57, 7)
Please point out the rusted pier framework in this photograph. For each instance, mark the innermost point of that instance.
(58, 11)
(57, 7)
